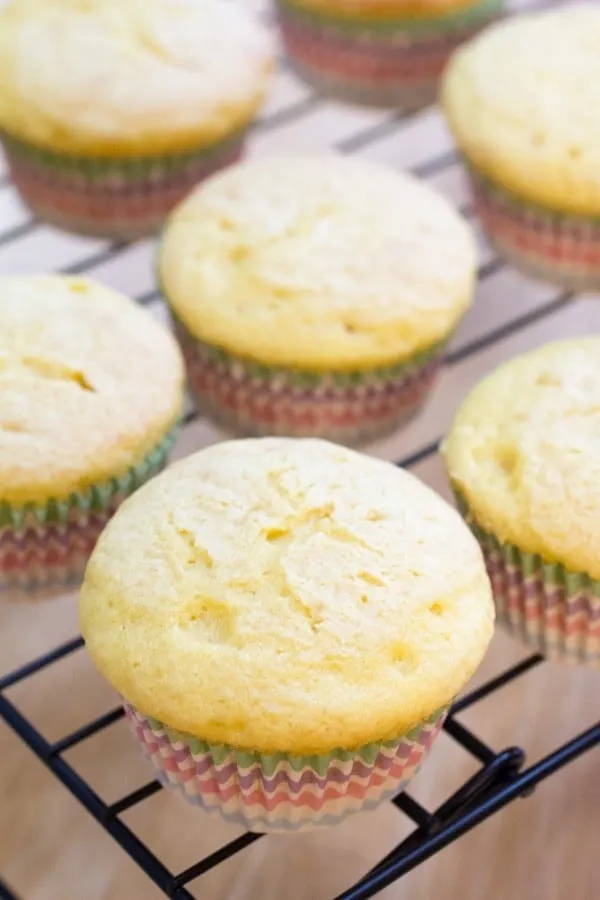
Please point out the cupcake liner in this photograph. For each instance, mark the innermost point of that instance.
(44, 548)
(120, 198)
(281, 792)
(392, 62)
(553, 610)
(249, 399)
(561, 248)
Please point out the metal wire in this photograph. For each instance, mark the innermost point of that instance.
(5, 892)
(500, 778)
(497, 783)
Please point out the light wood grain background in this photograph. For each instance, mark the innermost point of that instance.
(543, 848)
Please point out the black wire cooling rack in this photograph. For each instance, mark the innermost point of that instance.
(502, 776)
(500, 779)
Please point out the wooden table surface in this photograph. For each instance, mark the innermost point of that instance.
(542, 848)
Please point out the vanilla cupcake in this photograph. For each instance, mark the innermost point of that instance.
(522, 457)
(382, 52)
(90, 396)
(112, 110)
(287, 622)
(315, 296)
(521, 101)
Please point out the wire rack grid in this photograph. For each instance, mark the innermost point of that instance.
(296, 119)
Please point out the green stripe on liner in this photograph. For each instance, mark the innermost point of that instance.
(474, 15)
(96, 498)
(301, 377)
(139, 168)
(295, 377)
(518, 204)
(270, 761)
(555, 574)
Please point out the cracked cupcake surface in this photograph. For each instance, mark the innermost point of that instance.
(522, 456)
(290, 611)
(90, 394)
(112, 110)
(287, 595)
(314, 296)
(520, 100)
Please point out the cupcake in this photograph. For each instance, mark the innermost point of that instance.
(315, 296)
(521, 101)
(112, 110)
(380, 52)
(522, 457)
(90, 397)
(287, 622)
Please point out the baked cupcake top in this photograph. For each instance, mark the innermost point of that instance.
(89, 384)
(129, 77)
(522, 101)
(386, 9)
(287, 595)
(320, 263)
(524, 452)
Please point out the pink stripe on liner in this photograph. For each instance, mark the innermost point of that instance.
(285, 799)
(127, 209)
(541, 613)
(49, 555)
(564, 249)
(230, 393)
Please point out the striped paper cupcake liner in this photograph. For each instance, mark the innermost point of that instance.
(389, 62)
(281, 792)
(248, 399)
(44, 548)
(553, 610)
(119, 198)
(561, 248)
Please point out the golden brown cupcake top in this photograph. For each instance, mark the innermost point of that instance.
(89, 384)
(129, 77)
(324, 263)
(287, 595)
(524, 453)
(522, 101)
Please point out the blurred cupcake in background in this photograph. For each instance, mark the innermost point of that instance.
(380, 52)
(287, 623)
(522, 102)
(91, 390)
(112, 110)
(315, 296)
(522, 456)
